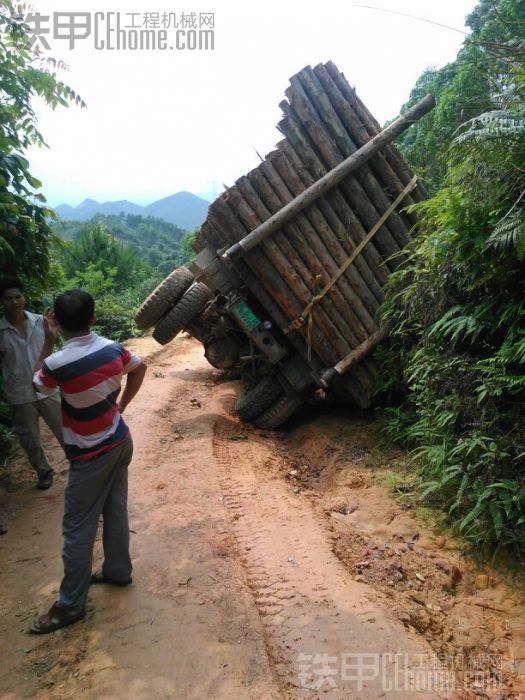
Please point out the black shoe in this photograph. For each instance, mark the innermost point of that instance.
(45, 481)
(3, 529)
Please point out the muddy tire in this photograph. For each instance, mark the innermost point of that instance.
(169, 291)
(277, 414)
(257, 399)
(222, 353)
(190, 306)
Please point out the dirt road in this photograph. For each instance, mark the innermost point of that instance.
(265, 566)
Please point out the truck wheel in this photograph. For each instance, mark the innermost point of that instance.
(222, 353)
(255, 400)
(277, 414)
(177, 318)
(169, 291)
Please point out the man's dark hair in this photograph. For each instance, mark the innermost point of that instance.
(10, 283)
(74, 309)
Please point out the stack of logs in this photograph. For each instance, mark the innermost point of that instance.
(324, 122)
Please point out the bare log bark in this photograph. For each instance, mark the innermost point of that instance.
(296, 140)
(322, 124)
(338, 216)
(326, 325)
(378, 173)
(320, 245)
(392, 155)
(333, 178)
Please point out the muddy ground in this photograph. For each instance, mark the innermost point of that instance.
(266, 565)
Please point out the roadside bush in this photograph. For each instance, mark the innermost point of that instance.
(111, 272)
(116, 316)
(458, 347)
(457, 351)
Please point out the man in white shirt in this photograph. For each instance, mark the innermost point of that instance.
(21, 340)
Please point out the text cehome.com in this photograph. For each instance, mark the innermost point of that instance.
(112, 31)
(109, 35)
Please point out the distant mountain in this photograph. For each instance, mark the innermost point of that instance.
(183, 209)
(89, 207)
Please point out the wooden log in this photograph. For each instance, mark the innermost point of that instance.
(233, 230)
(320, 244)
(296, 138)
(349, 188)
(292, 268)
(324, 328)
(346, 383)
(373, 127)
(285, 285)
(207, 236)
(319, 118)
(342, 305)
(331, 179)
(344, 365)
(379, 166)
(297, 178)
(262, 280)
(365, 374)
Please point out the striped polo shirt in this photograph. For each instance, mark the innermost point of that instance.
(88, 370)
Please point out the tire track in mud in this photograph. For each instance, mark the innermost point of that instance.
(321, 628)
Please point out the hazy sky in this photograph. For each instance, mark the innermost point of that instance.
(158, 122)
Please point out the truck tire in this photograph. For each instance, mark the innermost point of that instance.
(222, 353)
(177, 318)
(169, 291)
(257, 399)
(277, 414)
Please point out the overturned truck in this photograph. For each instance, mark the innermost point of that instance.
(292, 260)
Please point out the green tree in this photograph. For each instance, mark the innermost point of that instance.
(458, 307)
(187, 251)
(476, 82)
(25, 236)
(111, 272)
(24, 233)
(96, 255)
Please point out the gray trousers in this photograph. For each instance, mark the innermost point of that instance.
(95, 487)
(25, 425)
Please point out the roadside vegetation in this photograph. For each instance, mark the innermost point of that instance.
(457, 354)
(161, 245)
(110, 257)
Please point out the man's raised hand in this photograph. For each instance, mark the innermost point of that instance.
(51, 326)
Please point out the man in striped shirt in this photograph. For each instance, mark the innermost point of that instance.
(88, 371)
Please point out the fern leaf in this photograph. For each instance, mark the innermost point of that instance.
(509, 233)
